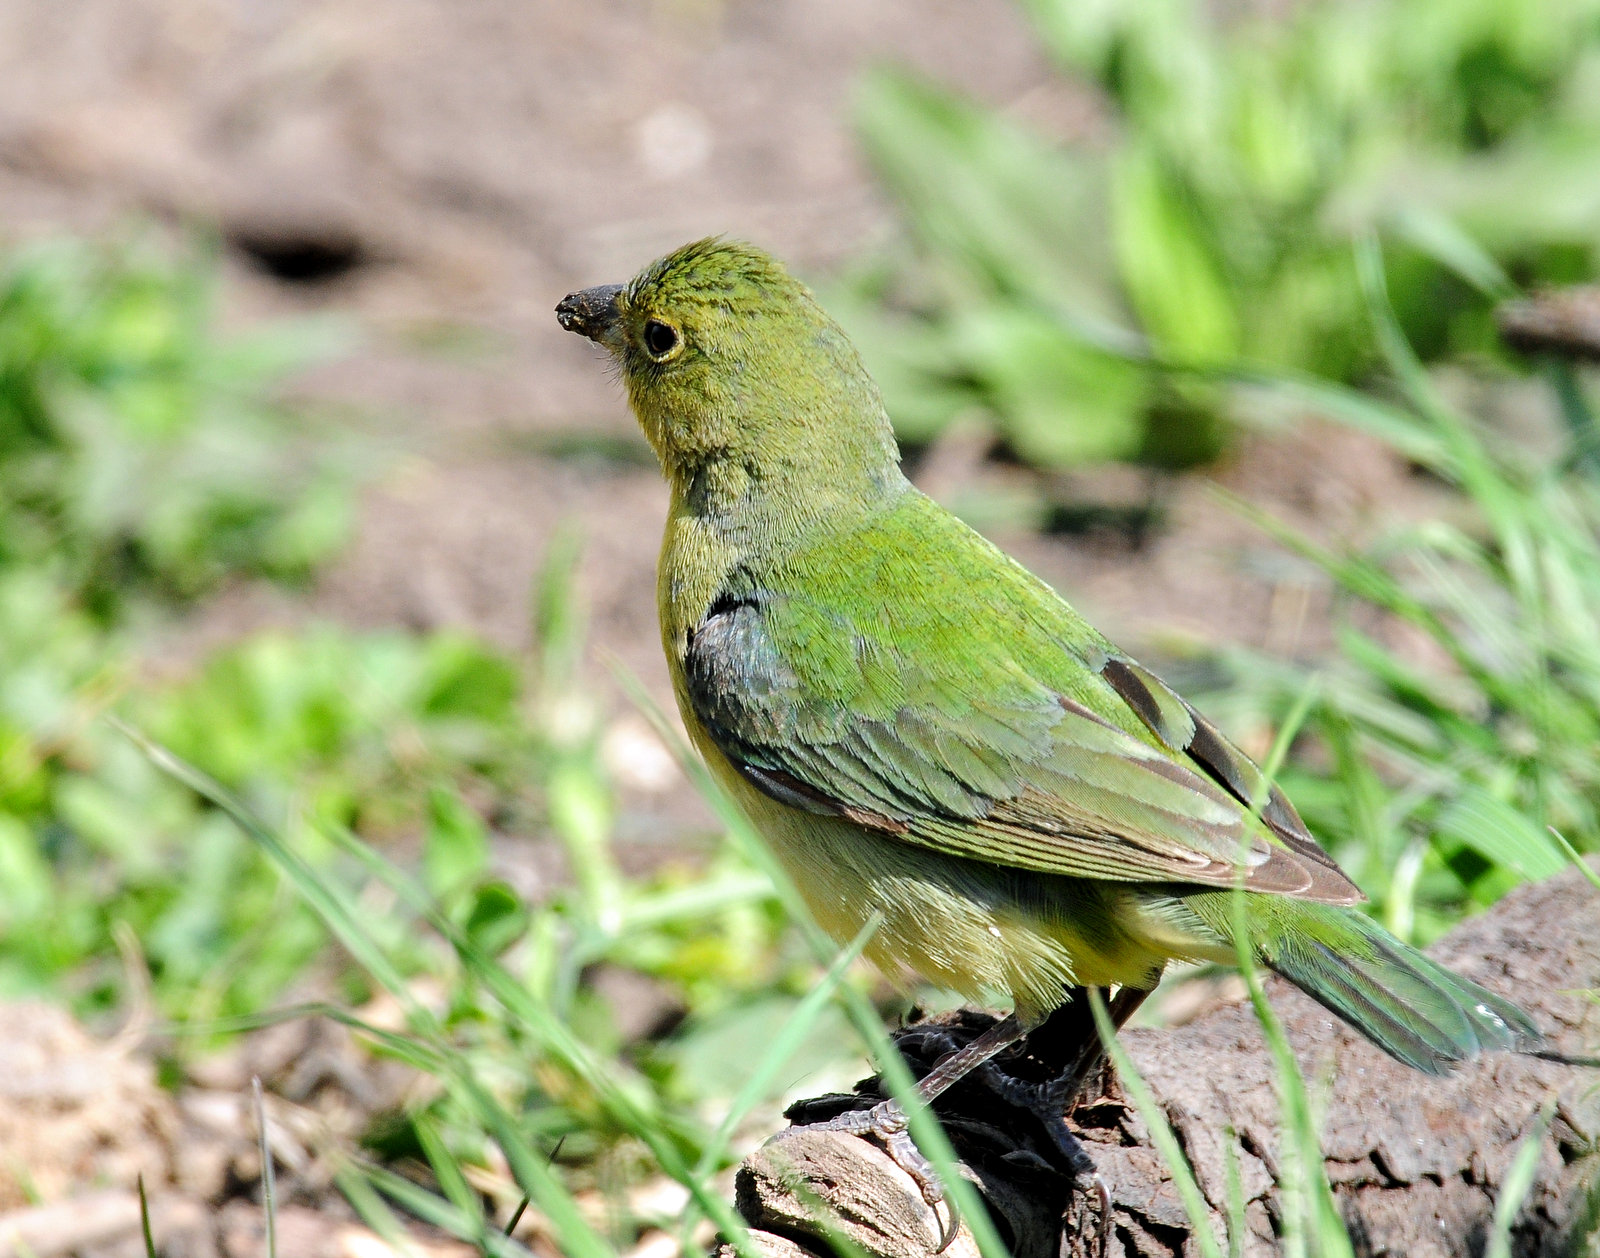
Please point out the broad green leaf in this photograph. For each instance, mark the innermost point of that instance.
(1060, 401)
(1011, 213)
(1504, 835)
(455, 850)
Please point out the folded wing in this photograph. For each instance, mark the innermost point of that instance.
(978, 758)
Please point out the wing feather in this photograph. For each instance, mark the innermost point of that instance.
(1180, 727)
(989, 764)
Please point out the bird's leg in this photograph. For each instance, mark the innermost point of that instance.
(1059, 1093)
(953, 1067)
(886, 1122)
(1051, 1101)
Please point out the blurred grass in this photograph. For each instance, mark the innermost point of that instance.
(140, 453)
(1079, 293)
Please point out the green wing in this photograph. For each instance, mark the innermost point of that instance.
(1181, 729)
(961, 706)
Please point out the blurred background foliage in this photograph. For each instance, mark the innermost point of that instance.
(1313, 213)
(1456, 758)
(1084, 296)
(139, 455)
(144, 461)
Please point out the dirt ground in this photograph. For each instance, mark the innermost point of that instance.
(442, 171)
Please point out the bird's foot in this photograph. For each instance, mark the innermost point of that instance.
(1049, 1102)
(1020, 1082)
(886, 1124)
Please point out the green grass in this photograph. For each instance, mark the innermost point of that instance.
(1070, 290)
(141, 453)
(501, 1033)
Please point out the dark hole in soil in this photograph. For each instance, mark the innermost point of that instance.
(1127, 524)
(300, 257)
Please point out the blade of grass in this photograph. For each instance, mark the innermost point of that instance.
(788, 1038)
(374, 1211)
(269, 1193)
(464, 1224)
(447, 1171)
(1307, 1180)
(1576, 858)
(1161, 1134)
(1234, 1180)
(144, 1220)
(1284, 739)
(1518, 1183)
(529, 1170)
(404, 1047)
(1312, 1192)
(929, 1136)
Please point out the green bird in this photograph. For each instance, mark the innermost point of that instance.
(927, 735)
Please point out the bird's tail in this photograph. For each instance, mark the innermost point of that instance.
(1411, 1007)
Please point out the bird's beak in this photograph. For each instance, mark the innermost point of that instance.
(590, 312)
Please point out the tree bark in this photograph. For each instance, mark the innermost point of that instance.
(1416, 1162)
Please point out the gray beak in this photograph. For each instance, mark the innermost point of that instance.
(590, 312)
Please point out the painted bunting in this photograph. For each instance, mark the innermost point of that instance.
(926, 733)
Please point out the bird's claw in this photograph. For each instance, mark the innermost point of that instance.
(886, 1123)
(1048, 1102)
(1102, 1229)
(1102, 1196)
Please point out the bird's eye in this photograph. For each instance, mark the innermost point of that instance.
(660, 338)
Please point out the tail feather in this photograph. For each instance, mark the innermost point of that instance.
(1442, 1035)
(1407, 1004)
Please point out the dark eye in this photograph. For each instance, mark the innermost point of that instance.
(660, 338)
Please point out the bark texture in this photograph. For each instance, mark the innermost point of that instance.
(1416, 1162)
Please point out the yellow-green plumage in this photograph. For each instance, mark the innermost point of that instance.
(924, 731)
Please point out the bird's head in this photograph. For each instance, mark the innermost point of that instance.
(735, 372)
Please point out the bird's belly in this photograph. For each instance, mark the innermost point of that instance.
(977, 929)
